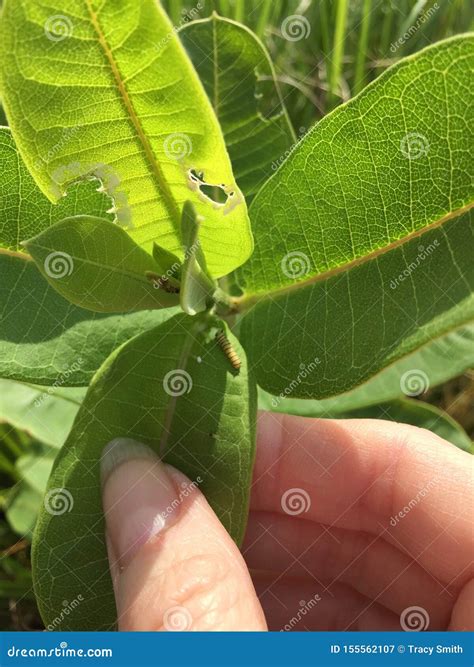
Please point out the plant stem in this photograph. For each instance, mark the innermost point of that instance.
(263, 18)
(239, 11)
(359, 77)
(338, 50)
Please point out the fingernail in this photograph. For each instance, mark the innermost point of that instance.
(138, 495)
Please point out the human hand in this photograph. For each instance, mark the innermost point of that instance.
(353, 524)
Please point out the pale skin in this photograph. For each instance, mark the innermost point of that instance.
(388, 526)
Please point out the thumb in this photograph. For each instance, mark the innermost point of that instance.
(173, 565)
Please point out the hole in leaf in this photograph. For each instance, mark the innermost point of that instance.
(214, 192)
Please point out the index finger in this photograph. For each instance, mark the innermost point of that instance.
(394, 480)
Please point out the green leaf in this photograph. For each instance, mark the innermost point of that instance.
(418, 413)
(124, 105)
(439, 361)
(406, 411)
(46, 340)
(192, 408)
(238, 76)
(363, 253)
(329, 337)
(169, 264)
(197, 286)
(35, 469)
(45, 413)
(95, 264)
(24, 210)
(22, 510)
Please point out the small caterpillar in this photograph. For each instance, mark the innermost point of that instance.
(228, 350)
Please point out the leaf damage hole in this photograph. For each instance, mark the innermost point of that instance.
(219, 195)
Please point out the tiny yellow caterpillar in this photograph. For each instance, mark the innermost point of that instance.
(228, 350)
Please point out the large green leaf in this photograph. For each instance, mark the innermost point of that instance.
(125, 105)
(95, 264)
(25, 498)
(44, 339)
(417, 413)
(328, 337)
(406, 411)
(362, 251)
(22, 509)
(439, 361)
(191, 407)
(46, 413)
(238, 76)
(25, 211)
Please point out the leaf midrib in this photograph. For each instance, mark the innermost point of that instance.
(165, 190)
(250, 299)
(172, 404)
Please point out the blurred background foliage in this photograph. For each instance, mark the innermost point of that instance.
(343, 45)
